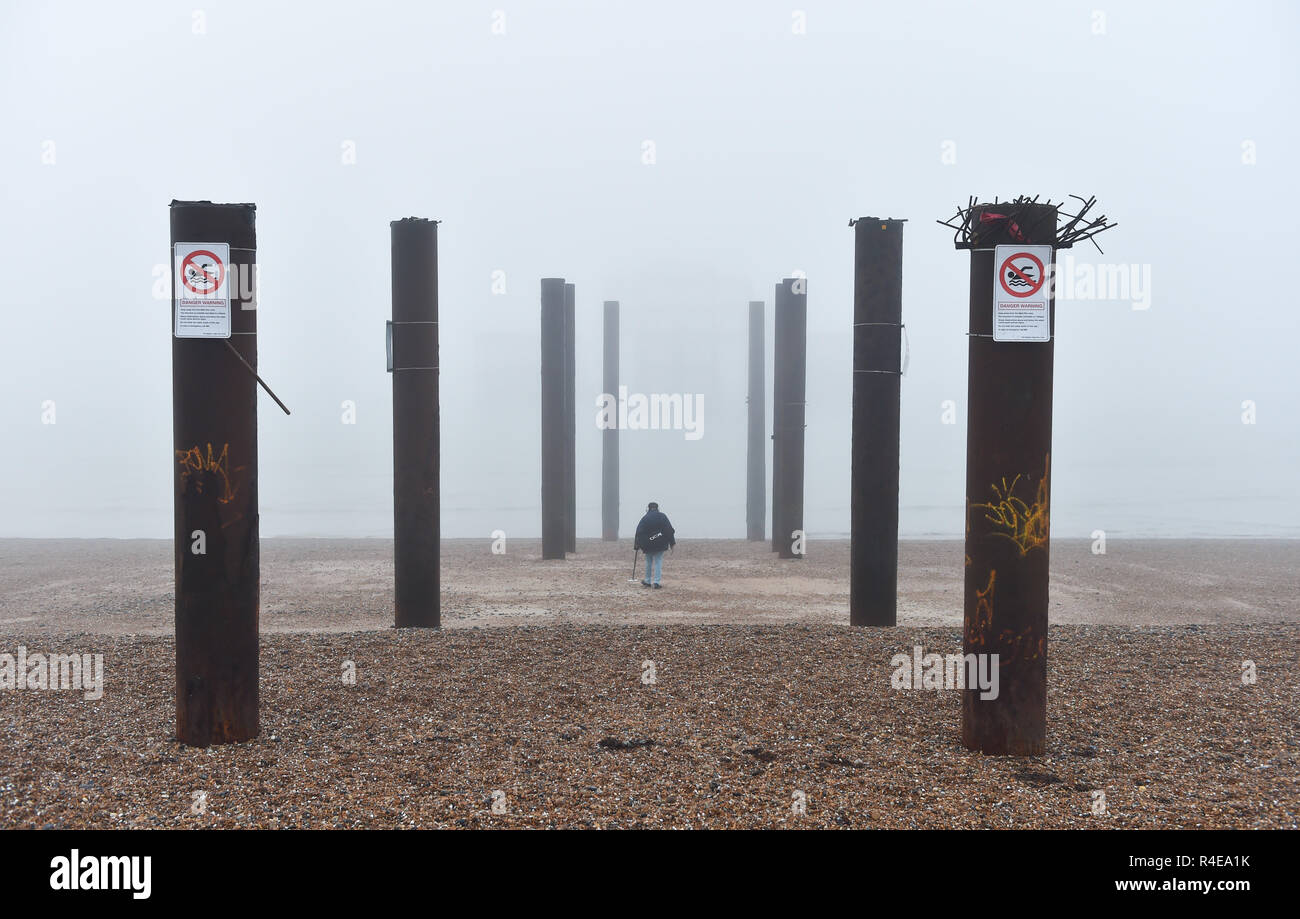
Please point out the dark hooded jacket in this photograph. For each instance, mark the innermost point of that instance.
(654, 533)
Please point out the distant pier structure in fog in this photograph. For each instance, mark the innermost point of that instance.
(788, 416)
(756, 446)
(877, 373)
(416, 441)
(609, 435)
(554, 429)
(570, 420)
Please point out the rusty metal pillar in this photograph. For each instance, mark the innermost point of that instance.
(416, 463)
(609, 436)
(1008, 465)
(570, 422)
(877, 340)
(554, 460)
(779, 364)
(756, 458)
(792, 340)
(214, 438)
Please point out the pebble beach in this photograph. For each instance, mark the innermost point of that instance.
(563, 695)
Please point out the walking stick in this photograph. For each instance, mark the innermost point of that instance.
(633, 578)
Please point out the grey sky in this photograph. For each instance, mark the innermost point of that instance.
(528, 145)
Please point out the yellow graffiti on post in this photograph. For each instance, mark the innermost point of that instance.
(983, 618)
(195, 461)
(1023, 646)
(1024, 524)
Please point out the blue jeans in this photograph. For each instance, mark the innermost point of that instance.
(654, 566)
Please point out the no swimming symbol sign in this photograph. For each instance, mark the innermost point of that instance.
(1021, 311)
(201, 290)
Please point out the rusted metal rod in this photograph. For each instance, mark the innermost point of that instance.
(877, 339)
(1008, 466)
(416, 447)
(214, 439)
(609, 436)
(756, 458)
(554, 496)
(260, 382)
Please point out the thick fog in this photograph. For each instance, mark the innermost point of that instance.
(681, 158)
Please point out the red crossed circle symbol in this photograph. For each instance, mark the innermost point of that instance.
(1009, 266)
(201, 273)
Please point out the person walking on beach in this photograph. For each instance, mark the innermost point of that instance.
(654, 537)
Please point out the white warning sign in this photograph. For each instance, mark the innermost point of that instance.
(201, 290)
(1021, 311)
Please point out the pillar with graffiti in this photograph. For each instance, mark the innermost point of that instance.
(1009, 465)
